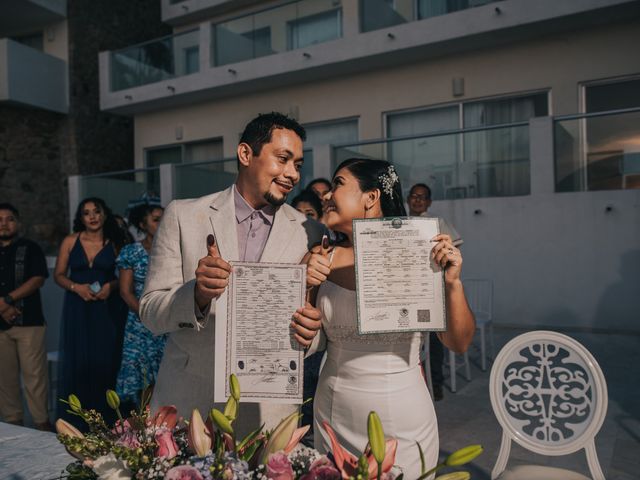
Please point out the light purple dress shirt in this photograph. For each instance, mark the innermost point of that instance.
(253, 228)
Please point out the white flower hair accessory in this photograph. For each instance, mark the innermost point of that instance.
(388, 180)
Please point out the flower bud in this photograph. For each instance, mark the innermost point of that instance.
(231, 409)
(113, 400)
(221, 421)
(65, 428)
(363, 466)
(74, 403)
(376, 437)
(462, 456)
(235, 387)
(198, 436)
(281, 435)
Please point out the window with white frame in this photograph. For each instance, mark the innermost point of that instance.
(488, 162)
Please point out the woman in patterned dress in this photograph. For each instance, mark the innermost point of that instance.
(142, 351)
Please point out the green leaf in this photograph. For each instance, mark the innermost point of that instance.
(250, 437)
(423, 467)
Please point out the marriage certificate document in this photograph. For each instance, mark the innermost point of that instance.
(253, 336)
(398, 287)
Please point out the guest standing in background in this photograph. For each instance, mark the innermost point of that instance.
(23, 270)
(93, 314)
(142, 351)
(128, 237)
(307, 202)
(319, 186)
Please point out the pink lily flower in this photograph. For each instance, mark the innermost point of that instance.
(166, 416)
(347, 463)
(200, 437)
(295, 439)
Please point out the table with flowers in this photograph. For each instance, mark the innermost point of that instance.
(27, 454)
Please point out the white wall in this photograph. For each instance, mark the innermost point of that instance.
(557, 260)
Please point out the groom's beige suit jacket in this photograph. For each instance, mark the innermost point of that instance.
(167, 305)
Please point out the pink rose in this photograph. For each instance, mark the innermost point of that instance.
(183, 472)
(279, 467)
(166, 444)
(322, 469)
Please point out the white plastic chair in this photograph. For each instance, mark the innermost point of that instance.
(454, 366)
(479, 293)
(550, 396)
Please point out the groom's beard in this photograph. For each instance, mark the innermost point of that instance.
(6, 238)
(276, 202)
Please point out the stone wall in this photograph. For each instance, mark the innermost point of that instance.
(40, 149)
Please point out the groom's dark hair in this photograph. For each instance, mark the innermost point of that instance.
(258, 131)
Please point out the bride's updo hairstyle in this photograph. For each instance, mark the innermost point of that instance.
(372, 174)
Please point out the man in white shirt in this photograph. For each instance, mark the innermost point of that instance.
(419, 201)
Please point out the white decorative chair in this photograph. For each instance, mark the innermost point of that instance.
(549, 396)
(479, 293)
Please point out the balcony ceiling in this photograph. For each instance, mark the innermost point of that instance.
(18, 17)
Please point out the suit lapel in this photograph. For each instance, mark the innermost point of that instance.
(223, 221)
(282, 232)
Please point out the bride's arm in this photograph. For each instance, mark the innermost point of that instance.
(461, 324)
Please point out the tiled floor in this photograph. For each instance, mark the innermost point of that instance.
(466, 417)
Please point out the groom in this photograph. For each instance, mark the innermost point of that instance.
(189, 265)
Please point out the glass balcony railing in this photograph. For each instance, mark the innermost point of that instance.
(287, 27)
(376, 14)
(197, 179)
(471, 163)
(120, 190)
(154, 61)
(598, 151)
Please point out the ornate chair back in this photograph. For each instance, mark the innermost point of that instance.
(550, 396)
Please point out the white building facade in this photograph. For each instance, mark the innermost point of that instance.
(523, 117)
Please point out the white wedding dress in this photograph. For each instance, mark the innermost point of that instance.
(378, 372)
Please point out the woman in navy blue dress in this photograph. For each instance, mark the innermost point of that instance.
(93, 315)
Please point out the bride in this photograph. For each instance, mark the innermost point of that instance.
(378, 372)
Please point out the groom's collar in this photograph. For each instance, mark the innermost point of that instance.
(244, 210)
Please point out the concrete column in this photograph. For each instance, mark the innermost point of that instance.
(75, 195)
(167, 183)
(541, 155)
(350, 18)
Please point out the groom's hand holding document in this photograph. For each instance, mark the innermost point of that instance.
(212, 278)
(212, 275)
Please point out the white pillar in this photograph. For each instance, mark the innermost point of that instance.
(74, 190)
(541, 155)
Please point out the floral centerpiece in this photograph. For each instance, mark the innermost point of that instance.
(161, 445)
